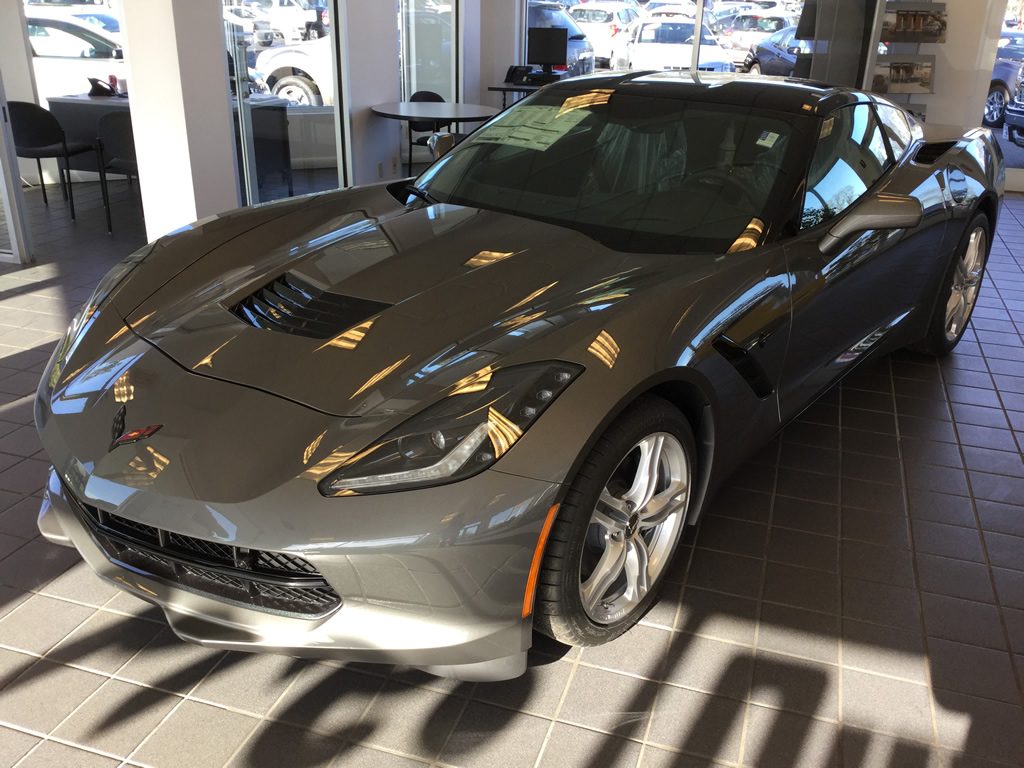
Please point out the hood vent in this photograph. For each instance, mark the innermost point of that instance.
(291, 305)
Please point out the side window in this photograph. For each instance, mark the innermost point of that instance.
(58, 40)
(896, 127)
(850, 157)
(775, 39)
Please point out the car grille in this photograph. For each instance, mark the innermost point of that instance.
(269, 581)
(291, 305)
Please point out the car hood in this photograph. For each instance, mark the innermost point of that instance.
(417, 299)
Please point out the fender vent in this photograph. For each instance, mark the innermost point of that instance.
(291, 305)
(745, 364)
(929, 153)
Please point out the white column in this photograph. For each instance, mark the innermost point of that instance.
(181, 110)
(370, 75)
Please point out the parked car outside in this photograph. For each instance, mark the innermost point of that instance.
(604, 22)
(667, 44)
(776, 54)
(294, 19)
(105, 20)
(254, 30)
(580, 52)
(67, 51)
(748, 29)
(1003, 92)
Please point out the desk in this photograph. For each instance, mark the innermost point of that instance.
(435, 111)
(506, 88)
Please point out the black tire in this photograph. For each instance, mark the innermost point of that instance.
(755, 69)
(559, 611)
(298, 90)
(995, 106)
(937, 342)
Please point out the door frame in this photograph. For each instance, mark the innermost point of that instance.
(10, 193)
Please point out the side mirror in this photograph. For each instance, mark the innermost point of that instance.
(880, 211)
(119, 53)
(441, 144)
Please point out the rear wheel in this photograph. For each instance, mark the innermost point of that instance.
(298, 90)
(618, 527)
(959, 292)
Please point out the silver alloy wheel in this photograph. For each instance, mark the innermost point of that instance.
(634, 527)
(995, 106)
(755, 69)
(966, 284)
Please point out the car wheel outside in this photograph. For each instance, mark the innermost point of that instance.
(959, 290)
(298, 90)
(755, 69)
(995, 106)
(618, 527)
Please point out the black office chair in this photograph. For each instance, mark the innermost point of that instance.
(420, 126)
(37, 134)
(115, 151)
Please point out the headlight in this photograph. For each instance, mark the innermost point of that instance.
(479, 421)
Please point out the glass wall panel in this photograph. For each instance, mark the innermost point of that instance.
(284, 96)
(429, 50)
(1004, 102)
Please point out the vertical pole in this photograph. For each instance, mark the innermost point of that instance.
(698, 28)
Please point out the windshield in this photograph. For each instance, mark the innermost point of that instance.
(635, 173)
(553, 16)
(673, 32)
(591, 15)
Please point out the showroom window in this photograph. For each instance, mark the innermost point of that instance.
(850, 157)
(429, 48)
(283, 98)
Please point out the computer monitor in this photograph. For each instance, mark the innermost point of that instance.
(547, 46)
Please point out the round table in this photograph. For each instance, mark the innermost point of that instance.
(435, 111)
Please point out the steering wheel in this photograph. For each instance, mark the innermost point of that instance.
(720, 177)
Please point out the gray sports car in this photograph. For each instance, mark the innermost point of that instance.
(413, 422)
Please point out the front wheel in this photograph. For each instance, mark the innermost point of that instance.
(755, 69)
(618, 527)
(995, 106)
(959, 291)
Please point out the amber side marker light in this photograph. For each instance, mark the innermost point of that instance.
(538, 554)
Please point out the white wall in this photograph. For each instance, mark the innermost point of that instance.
(370, 75)
(501, 33)
(181, 110)
(963, 66)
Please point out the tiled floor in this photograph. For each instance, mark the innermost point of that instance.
(854, 598)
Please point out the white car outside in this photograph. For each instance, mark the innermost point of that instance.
(67, 51)
(288, 17)
(749, 29)
(605, 24)
(668, 44)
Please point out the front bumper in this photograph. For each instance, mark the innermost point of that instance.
(450, 608)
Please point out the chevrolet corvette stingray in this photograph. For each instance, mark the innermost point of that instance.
(413, 422)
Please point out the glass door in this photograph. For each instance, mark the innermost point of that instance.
(429, 55)
(283, 65)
